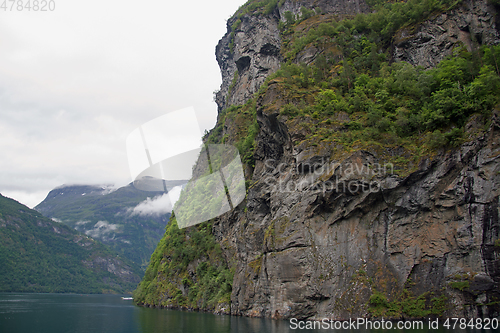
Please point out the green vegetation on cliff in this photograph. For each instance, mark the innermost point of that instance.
(243, 119)
(258, 7)
(187, 270)
(353, 96)
(390, 102)
(40, 255)
(407, 305)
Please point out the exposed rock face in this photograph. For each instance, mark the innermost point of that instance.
(342, 7)
(255, 55)
(302, 251)
(113, 266)
(257, 45)
(429, 43)
(316, 225)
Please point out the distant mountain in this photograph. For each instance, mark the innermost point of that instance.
(128, 220)
(40, 255)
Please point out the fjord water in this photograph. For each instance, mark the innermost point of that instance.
(70, 313)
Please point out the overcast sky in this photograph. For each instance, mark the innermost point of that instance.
(74, 82)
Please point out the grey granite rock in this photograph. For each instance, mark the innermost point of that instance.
(315, 227)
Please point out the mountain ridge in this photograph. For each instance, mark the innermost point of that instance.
(107, 214)
(40, 255)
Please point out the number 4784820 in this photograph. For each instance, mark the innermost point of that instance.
(473, 323)
(28, 5)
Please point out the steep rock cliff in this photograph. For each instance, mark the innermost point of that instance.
(336, 224)
(301, 251)
(308, 252)
(251, 48)
(474, 22)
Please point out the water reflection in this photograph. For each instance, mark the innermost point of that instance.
(53, 313)
(161, 320)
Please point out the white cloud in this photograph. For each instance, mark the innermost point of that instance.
(101, 229)
(82, 222)
(159, 205)
(75, 82)
(174, 194)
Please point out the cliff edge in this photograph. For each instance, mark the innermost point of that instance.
(370, 135)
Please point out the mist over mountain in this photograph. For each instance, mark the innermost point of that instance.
(40, 255)
(128, 220)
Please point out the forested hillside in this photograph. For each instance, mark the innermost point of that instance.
(40, 255)
(108, 215)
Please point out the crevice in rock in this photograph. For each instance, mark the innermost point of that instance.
(497, 17)
(243, 64)
(317, 297)
(297, 246)
(491, 233)
(479, 38)
(491, 225)
(469, 198)
(263, 71)
(273, 137)
(428, 274)
(386, 230)
(269, 50)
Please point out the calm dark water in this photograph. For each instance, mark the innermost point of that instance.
(67, 313)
